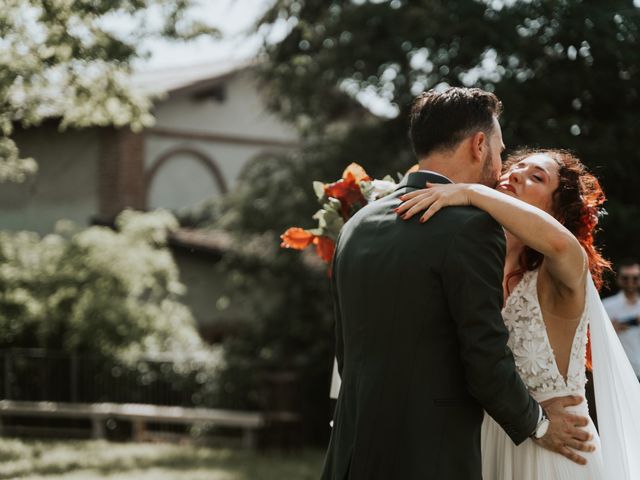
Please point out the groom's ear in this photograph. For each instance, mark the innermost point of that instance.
(478, 146)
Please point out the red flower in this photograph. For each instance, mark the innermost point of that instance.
(347, 190)
(324, 248)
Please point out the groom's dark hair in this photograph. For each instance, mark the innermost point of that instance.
(440, 120)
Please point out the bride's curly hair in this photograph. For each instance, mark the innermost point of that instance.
(576, 204)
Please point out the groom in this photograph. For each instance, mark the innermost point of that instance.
(421, 345)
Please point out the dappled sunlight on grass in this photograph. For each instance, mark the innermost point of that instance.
(90, 460)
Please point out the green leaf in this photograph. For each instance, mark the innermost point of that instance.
(318, 188)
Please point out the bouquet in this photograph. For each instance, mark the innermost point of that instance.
(340, 201)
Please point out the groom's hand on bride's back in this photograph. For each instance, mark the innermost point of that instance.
(566, 435)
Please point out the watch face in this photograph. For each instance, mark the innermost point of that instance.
(542, 428)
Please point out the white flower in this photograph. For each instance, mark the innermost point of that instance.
(531, 356)
(376, 189)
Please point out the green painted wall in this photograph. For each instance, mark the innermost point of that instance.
(65, 187)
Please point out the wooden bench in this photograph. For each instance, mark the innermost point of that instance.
(138, 415)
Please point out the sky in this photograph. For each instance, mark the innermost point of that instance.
(234, 18)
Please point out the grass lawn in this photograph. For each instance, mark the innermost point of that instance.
(90, 460)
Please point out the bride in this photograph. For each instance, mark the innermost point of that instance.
(548, 205)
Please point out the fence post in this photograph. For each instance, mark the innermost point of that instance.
(74, 377)
(97, 428)
(7, 375)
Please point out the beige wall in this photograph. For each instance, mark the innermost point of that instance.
(241, 113)
(205, 294)
(183, 180)
(65, 186)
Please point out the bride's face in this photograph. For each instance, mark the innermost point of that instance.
(533, 180)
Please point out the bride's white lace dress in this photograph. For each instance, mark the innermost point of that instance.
(535, 361)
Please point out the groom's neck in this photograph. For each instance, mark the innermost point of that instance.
(455, 169)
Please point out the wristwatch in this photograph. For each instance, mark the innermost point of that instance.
(542, 427)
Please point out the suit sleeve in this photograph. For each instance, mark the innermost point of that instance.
(472, 274)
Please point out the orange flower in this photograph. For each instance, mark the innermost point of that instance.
(296, 238)
(299, 239)
(357, 172)
(415, 168)
(347, 190)
(324, 248)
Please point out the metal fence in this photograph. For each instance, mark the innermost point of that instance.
(45, 375)
(53, 376)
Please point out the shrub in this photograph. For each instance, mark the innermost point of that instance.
(112, 296)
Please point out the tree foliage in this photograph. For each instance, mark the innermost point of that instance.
(73, 60)
(111, 298)
(567, 72)
(287, 316)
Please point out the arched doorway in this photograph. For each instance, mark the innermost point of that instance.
(183, 177)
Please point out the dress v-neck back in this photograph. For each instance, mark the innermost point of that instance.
(529, 342)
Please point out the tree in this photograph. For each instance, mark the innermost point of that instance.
(566, 71)
(112, 297)
(287, 318)
(73, 60)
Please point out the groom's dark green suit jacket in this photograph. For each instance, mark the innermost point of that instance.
(421, 345)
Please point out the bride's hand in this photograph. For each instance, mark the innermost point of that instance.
(432, 199)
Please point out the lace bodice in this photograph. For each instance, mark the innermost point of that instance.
(529, 342)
